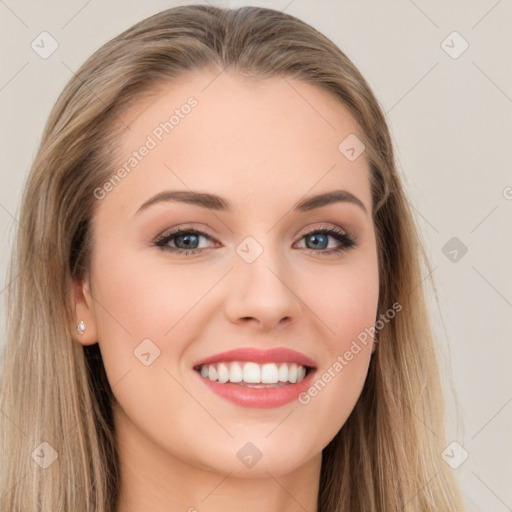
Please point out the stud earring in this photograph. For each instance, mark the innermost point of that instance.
(81, 327)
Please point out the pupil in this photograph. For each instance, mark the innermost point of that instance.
(317, 239)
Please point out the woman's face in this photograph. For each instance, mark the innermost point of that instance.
(256, 271)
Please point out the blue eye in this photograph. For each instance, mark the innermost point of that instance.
(186, 241)
(319, 239)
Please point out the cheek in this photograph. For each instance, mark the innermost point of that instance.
(137, 300)
(346, 304)
(345, 299)
(349, 308)
(146, 316)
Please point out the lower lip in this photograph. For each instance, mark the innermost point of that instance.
(262, 398)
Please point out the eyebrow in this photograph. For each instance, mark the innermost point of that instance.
(214, 202)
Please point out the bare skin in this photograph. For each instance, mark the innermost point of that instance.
(263, 147)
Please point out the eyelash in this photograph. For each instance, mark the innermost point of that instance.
(347, 242)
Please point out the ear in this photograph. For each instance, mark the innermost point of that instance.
(84, 308)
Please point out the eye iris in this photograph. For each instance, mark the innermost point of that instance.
(316, 240)
(186, 239)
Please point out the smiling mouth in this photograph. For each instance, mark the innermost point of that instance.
(254, 375)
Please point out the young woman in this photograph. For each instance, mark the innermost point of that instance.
(215, 298)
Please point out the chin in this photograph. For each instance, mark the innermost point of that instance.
(259, 457)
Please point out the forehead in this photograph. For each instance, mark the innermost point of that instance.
(252, 140)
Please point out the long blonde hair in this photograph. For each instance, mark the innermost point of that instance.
(386, 457)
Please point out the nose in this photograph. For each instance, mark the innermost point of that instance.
(262, 293)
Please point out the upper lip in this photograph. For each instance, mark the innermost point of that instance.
(273, 355)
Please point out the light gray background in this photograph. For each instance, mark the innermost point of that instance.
(451, 122)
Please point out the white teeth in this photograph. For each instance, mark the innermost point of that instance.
(283, 373)
(292, 374)
(223, 372)
(269, 374)
(235, 373)
(212, 372)
(253, 373)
